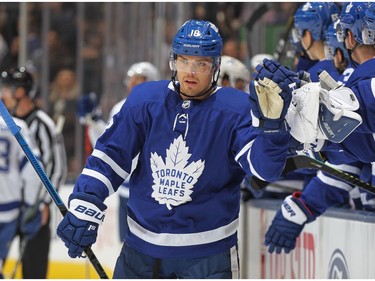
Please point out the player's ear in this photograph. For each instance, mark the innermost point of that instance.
(308, 36)
(340, 55)
(350, 39)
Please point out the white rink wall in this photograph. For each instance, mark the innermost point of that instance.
(339, 244)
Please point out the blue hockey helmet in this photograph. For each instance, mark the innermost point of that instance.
(351, 18)
(198, 38)
(332, 44)
(368, 26)
(315, 17)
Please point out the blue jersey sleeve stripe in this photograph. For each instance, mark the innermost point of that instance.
(100, 177)
(104, 157)
(334, 182)
(243, 150)
(346, 168)
(252, 169)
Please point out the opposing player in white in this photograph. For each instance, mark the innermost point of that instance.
(19, 187)
(234, 73)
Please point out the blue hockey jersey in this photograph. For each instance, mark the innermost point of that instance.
(354, 152)
(321, 65)
(185, 190)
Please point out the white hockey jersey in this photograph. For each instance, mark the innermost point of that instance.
(17, 175)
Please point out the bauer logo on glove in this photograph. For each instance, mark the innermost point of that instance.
(86, 211)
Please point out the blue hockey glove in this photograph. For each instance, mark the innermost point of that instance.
(79, 227)
(270, 96)
(31, 221)
(287, 224)
(88, 105)
(286, 79)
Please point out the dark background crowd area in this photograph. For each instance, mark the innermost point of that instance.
(77, 48)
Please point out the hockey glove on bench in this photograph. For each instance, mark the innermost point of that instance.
(287, 224)
(79, 227)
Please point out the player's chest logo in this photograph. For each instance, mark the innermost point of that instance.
(174, 178)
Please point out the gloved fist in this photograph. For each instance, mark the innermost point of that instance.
(270, 96)
(287, 224)
(31, 221)
(88, 106)
(79, 227)
(285, 78)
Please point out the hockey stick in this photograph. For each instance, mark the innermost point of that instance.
(302, 162)
(255, 16)
(16, 131)
(31, 212)
(281, 44)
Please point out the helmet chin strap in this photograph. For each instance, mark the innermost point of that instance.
(177, 87)
(350, 53)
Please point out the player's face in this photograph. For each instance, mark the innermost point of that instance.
(134, 81)
(194, 74)
(7, 96)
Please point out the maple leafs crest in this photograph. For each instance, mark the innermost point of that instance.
(174, 179)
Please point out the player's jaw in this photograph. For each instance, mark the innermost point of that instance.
(194, 85)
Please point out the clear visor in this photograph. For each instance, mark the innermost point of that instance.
(198, 66)
(368, 34)
(329, 51)
(340, 32)
(296, 35)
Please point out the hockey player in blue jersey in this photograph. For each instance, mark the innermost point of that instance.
(336, 51)
(311, 20)
(358, 148)
(196, 142)
(90, 115)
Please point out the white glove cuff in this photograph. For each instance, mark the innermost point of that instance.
(87, 211)
(292, 212)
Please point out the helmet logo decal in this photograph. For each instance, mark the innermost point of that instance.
(174, 179)
(195, 33)
(306, 7)
(348, 7)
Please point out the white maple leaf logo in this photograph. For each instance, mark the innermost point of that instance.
(174, 180)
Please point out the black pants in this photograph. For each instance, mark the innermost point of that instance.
(35, 257)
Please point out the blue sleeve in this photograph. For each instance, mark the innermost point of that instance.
(265, 155)
(325, 191)
(365, 93)
(320, 196)
(110, 162)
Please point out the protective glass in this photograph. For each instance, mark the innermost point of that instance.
(198, 66)
(340, 32)
(296, 36)
(368, 34)
(329, 51)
